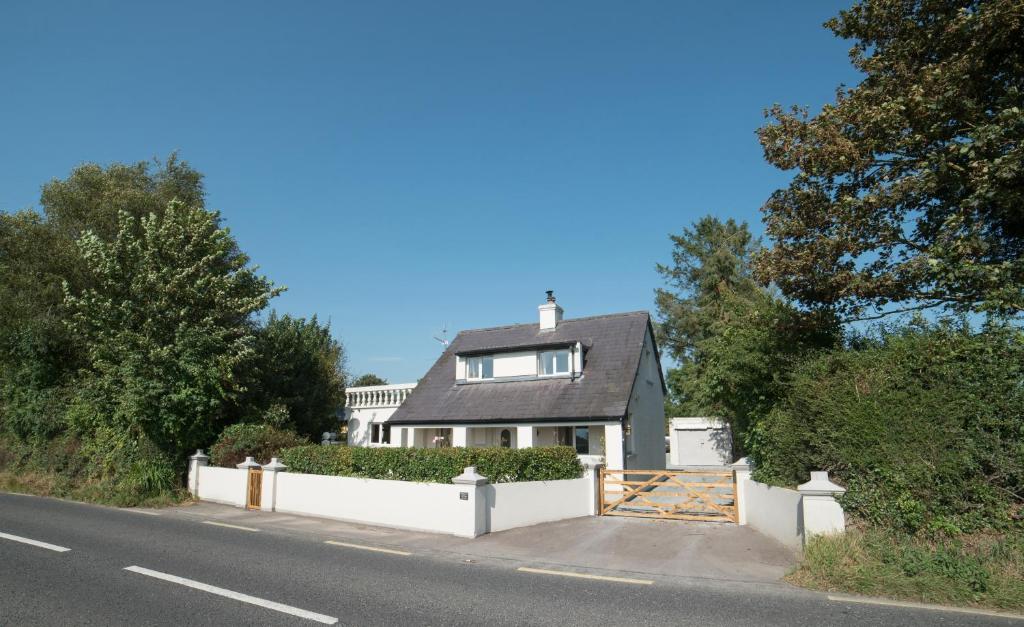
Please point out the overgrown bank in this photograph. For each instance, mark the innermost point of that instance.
(924, 424)
(985, 570)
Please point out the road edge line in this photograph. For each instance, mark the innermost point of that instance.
(844, 598)
(563, 573)
(228, 525)
(364, 547)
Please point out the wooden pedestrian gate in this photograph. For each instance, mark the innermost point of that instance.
(255, 488)
(673, 494)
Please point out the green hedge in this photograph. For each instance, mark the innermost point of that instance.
(440, 465)
(924, 425)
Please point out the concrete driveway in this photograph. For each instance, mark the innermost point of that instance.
(719, 551)
(665, 547)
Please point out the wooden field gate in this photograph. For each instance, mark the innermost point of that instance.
(255, 488)
(671, 494)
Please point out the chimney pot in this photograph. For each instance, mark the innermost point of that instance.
(551, 296)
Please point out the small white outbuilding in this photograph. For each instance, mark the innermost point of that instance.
(699, 441)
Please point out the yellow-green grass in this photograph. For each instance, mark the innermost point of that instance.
(981, 570)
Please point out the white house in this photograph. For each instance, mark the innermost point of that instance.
(593, 383)
(367, 410)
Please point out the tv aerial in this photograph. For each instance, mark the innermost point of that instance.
(444, 336)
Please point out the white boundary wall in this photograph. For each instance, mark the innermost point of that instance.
(223, 485)
(403, 504)
(511, 505)
(775, 512)
(467, 507)
(789, 516)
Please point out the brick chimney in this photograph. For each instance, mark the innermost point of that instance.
(550, 312)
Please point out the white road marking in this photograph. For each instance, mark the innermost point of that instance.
(220, 524)
(541, 571)
(42, 545)
(368, 548)
(238, 596)
(842, 598)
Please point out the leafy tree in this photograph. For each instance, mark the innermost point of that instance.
(709, 261)
(733, 339)
(909, 188)
(93, 197)
(300, 368)
(368, 379)
(39, 357)
(167, 323)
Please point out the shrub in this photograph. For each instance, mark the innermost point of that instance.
(922, 424)
(500, 465)
(317, 459)
(261, 442)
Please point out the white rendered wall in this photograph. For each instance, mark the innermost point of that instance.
(775, 512)
(511, 505)
(646, 413)
(223, 485)
(403, 504)
(361, 418)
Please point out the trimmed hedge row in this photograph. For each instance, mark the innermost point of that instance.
(438, 465)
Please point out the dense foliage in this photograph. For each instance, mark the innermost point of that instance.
(910, 187)
(259, 441)
(500, 465)
(368, 379)
(299, 367)
(130, 335)
(733, 340)
(924, 424)
(165, 323)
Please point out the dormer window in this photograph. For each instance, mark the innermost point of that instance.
(553, 362)
(480, 368)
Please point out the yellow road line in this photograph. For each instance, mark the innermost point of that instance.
(220, 524)
(541, 571)
(367, 548)
(842, 598)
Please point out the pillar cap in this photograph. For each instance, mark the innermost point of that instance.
(470, 476)
(742, 463)
(248, 463)
(199, 455)
(820, 485)
(275, 465)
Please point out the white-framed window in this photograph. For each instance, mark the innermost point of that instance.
(480, 367)
(553, 362)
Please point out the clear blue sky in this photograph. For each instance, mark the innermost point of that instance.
(400, 165)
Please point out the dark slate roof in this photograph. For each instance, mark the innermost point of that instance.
(612, 349)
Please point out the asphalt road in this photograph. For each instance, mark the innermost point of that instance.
(89, 584)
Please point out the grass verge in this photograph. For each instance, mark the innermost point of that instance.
(58, 486)
(973, 571)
